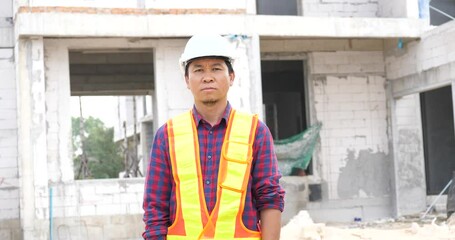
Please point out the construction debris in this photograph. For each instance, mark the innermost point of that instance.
(302, 227)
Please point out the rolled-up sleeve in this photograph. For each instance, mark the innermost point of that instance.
(266, 176)
(157, 189)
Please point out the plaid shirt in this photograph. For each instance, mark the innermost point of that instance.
(263, 191)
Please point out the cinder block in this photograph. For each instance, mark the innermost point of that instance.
(5, 234)
(130, 198)
(340, 115)
(6, 53)
(372, 68)
(107, 188)
(336, 58)
(89, 210)
(135, 208)
(331, 80)
(352, 88)
(11, 213)
(355, 97)
(8, 139)
(324, 68)
(333, 88)
(372, 7)
(333, 107)
(362, 114)
(110, 209)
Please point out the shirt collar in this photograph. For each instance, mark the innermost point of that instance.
(198, 117)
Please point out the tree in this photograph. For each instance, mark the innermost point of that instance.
(103, 154)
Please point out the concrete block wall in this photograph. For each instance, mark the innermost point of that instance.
(98, 198)
(97, 209)
(9, 170)
(350, 101)
(340, 8)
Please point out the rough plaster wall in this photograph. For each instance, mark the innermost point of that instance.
(9, 178)
(409, 163)
(350, 101)
(340, 8)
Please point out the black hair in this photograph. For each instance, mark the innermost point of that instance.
(226, 60)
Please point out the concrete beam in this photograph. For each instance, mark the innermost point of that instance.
(424, 81)
(52, 23)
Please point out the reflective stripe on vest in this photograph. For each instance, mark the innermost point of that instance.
(192, 220)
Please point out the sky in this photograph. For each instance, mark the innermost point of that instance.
(102, 107)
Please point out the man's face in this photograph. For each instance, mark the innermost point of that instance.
(209, 80)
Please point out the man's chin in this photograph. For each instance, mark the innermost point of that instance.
(210, 102)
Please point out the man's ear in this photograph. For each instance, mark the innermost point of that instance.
(187, 81)
(231, 78)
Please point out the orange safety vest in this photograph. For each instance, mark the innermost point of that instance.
(192, 220)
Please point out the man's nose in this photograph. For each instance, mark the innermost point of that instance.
(208, 77)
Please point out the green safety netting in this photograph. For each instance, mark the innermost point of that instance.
(296, 151)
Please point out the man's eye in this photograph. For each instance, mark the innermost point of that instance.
(217, 69)
(198, 70)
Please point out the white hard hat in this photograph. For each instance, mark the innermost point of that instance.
(206, 45)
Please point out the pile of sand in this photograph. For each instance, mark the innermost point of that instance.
(302, 227)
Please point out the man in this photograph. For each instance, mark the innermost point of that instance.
(213, 172)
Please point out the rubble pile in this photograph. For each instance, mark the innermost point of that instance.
(302, 227)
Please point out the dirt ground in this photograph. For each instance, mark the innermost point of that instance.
(433, 227)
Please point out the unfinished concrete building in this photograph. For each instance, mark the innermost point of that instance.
(375, 73)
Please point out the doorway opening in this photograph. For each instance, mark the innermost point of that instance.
(285, 98)
(438, 137)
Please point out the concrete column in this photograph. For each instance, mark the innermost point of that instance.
(59, 159)
(409, 167)
(32, 142)
(393, 134)
(171, 94)
(254, 56)
(161, 95)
